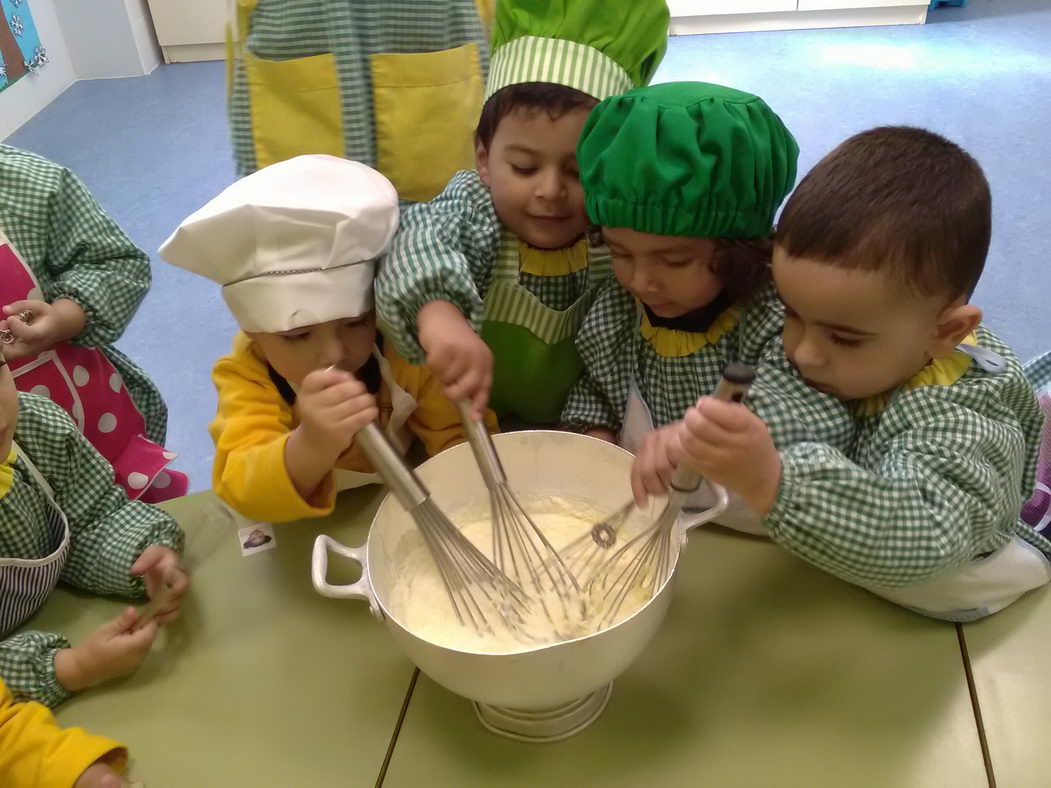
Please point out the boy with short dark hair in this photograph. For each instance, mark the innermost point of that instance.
(489, 282)
(877, 254)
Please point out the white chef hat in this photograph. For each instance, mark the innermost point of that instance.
(293, 244)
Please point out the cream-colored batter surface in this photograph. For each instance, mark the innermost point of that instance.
(421, 603)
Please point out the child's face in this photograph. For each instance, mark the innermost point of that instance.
(345, 343)
(854, 334)
(669, 274)
(8, 408)
(531, 170)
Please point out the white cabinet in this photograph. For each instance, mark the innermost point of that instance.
(711, 7)
(731, 16)
(190, 29)
(833, 5)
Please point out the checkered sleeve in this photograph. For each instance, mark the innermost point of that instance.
(599, 397)
(943, 485)
(444, 250)
(794, 412)
(587, 407)
(91, 261)
(27, 666)
(760, 326)
(107, 531)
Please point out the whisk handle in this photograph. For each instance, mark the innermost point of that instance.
(401, 479)
(732, 387)
(482, 445)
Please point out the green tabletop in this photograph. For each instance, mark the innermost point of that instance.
(262, 682)
(766, 672)
(1008, 654)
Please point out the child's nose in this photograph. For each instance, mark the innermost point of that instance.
(331, 353)
(807, 355)
(642, 281)
(549, 185)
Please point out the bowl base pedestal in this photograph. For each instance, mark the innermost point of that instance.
(548, 725)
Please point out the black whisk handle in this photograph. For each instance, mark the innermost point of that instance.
(732, 387)
(734, 384)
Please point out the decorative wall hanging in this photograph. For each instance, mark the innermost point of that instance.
(20, 49)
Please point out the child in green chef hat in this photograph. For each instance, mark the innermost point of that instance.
(684, 180)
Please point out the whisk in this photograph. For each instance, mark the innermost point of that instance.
(520, 549)
(585, 553)
(474, 584)
(649, 555)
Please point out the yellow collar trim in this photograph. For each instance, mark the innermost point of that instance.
(940, 372)
(7, 472)
(553, 262)
(672, 343)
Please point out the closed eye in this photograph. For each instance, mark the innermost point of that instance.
(845, 341)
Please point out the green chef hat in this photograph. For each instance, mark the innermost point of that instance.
(599, 47)
(686, 158)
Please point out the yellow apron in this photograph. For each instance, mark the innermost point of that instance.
(426, 106)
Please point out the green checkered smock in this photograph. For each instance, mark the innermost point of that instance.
(78, 252)
(616, 353)
(107, 534)
(793, 411)
(447, 249)
(935, 479)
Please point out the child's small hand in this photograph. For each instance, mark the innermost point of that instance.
(333, 406)
(655, 462)
(114, 649)
(100, 775)
(731, 446)
(164, 576)
(459, 357)
(48, 324)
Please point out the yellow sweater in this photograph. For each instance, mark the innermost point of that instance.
(254, 421)
(34, 751)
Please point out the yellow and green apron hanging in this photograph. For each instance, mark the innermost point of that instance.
(395, 84)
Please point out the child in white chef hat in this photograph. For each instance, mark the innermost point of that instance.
(295, 247)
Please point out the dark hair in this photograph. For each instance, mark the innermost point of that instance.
(743, 265)
(533, 97)
(896, 198)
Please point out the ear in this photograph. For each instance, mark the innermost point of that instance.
(954, 323)
(481, 162)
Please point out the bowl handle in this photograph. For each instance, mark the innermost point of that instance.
(692, 520)
(362, 589)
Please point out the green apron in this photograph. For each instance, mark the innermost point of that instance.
(535, 359)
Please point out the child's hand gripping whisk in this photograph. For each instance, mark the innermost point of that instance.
(644, 563)
(476, 588)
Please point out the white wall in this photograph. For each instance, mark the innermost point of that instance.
(84, 39)
(33, 92)
(108, 38)
(145, 38)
